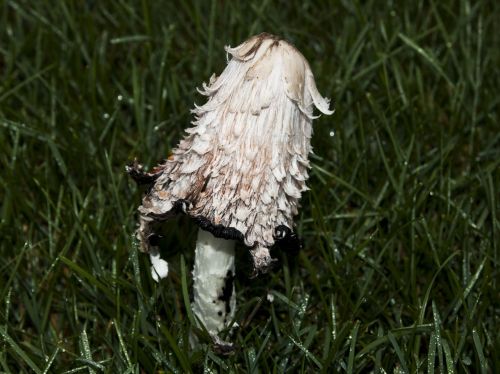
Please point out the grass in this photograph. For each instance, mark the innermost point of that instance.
(401, 227)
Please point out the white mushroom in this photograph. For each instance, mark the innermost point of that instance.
(240, 170)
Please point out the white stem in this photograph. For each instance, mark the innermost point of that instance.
(159, 267)
(214, 297)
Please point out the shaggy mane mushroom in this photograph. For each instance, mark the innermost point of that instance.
(240, 170)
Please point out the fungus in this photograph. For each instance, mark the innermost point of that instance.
(238, 172)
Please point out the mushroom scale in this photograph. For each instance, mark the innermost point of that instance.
(242, 166)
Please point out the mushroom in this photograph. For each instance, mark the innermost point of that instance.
(238, 172)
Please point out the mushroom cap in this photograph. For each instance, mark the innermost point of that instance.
(242, 166)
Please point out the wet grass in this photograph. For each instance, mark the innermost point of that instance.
(401, 227)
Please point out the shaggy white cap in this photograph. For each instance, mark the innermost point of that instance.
(242, 167)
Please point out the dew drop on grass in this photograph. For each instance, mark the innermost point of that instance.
(119, 98)
(105, 115)
(332, 133)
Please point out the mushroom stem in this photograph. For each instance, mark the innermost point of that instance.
(214, 300)
(159, 267)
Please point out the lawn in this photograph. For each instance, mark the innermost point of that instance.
(400, 266)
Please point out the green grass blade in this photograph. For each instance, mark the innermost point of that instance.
(19, 351)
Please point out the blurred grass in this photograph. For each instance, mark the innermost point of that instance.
(401, 226)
